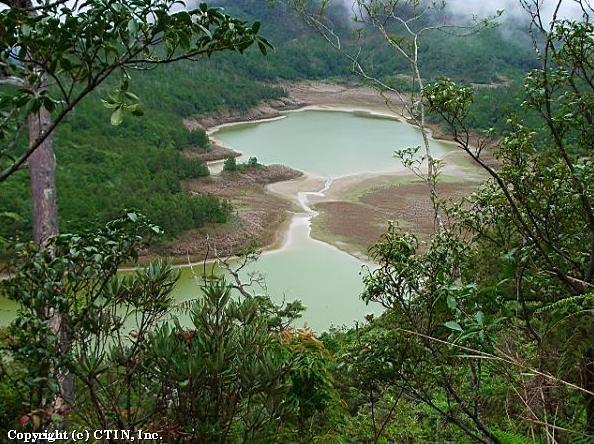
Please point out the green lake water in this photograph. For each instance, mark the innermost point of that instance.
(326, 280)
(329, 144)
(326, 143)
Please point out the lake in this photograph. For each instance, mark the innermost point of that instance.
(328, 144)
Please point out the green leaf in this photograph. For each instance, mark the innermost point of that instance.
(262, 48)
(117, 117)
(131, 96)
(11, 215)
(136, 110)
(132, 26)
(451, 301)
(453, 325)
(480, 318)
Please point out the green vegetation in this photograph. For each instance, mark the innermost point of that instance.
(138, 164)
(487, 330)
(102, 169)
(55, 70)
(235, 373)
(491, 56)
(231, 165)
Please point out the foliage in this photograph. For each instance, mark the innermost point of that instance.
(224, 377)
(231, 165)
(56, 54)
(75, 276)
(497, 306)
(224, 372)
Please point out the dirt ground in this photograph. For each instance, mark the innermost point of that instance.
(258, 217)
(346, 96)
(214, 153)
(355, 218)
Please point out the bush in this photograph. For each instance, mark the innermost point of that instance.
(230, 165)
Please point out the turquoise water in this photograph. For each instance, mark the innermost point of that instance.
(326, 143)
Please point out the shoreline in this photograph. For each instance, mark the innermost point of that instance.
(309, 98)
(315, 96)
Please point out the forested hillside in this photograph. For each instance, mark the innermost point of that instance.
(491, 55)
(102, 168)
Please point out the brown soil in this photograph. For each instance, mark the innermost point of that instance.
(350, 226)
(214, 152)
(356, 225)
(410, 204)
(266, 110)
(258, 215)
(345, 95)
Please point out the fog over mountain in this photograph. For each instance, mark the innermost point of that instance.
(513, 8)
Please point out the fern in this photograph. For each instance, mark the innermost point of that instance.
(507, 437)
(566, 302)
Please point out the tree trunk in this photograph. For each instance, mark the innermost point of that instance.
(42, 169)
(42, 166)
(589, 385)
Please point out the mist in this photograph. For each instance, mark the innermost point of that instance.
(512, 8)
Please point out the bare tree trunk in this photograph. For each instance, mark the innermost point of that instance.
(42, 169)
(431, 170)
(42, 166)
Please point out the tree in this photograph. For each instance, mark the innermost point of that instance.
(230, 164)
(53, 54)
(75, 275)
(506, 290)
(226, 371)
(402, 25)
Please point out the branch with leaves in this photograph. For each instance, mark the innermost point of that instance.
(402, 25)
(55, 54)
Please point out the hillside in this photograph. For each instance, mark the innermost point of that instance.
(102, 169)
